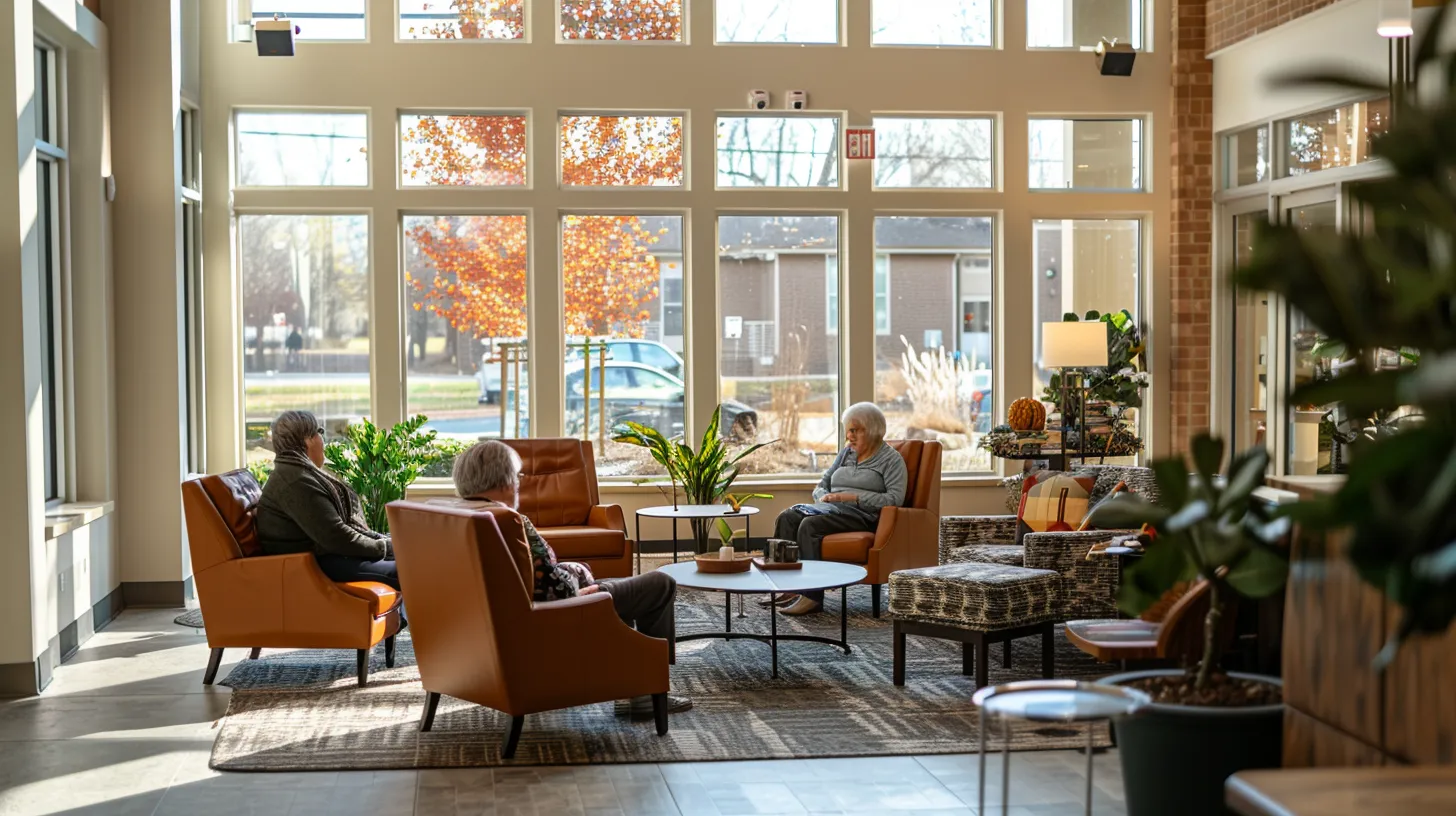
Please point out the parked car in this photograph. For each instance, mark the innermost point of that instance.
(647, 352)
(643, 393)
(975, 391)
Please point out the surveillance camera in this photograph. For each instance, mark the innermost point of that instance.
(758, 100)
(796, 100)
(274, 38)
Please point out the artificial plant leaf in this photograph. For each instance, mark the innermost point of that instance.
(1189, 515)
(1259, 574)
(1127, 511)
(1246, 474)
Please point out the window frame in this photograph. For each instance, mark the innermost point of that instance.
(399, 151)
(685, 27)
(527, 30)
(841, 33)
(1141, 152)
(52, 260)
(189, 146)
(882, 272)
(996, 33)
(992, 119)
(842, 164)
(243, 19)
(1142, 29)
(683, 114)
(369, 149)
(1279, 132)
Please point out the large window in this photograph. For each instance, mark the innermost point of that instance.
(659, 20)
(778, 151)
(1250, 375)
(780, 369)
(1310, 446)
(50, 173)
(465, 324)
(933, 22)
(189, 151)
(622, 151)
(1086, 154)
(302, 149)
(462, 19)
(777, 21)
(934, 153)
(1081, 23)
(1338, 137)
(314, 19)
(304, 282)
(621, 365)
(933, 361)
(469, 150)
(1081, 265)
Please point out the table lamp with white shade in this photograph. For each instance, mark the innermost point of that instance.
(1074, 347)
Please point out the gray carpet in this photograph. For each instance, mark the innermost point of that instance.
(302, 710)
(192, 618)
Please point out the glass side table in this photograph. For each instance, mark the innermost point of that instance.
(1049, 701)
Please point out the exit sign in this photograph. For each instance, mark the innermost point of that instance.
(859, 143)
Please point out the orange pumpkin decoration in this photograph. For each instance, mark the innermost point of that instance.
(1027, 414)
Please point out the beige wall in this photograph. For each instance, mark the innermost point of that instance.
(701, 80)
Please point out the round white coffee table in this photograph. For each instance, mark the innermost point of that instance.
(815, 575)
(688, 512)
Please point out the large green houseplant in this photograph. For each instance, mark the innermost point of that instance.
(380, 464)
(705, 474)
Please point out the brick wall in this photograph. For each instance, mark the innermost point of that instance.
(1191, 256)
(1230, 21)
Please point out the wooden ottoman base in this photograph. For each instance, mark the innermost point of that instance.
(981, 640)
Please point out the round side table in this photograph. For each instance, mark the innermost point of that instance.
(1050, 701)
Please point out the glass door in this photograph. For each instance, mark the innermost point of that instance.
(1308, 441)
(1248, 376)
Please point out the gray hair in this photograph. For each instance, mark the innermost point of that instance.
(870, 416)
(485, 466)
(292, 430)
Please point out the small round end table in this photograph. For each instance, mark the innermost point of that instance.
(690, 512)
(1058, 701)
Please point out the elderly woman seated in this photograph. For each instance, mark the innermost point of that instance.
(304, 508)
(866, 476)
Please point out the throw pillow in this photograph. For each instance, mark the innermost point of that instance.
(1053, 502)
(1086, 524)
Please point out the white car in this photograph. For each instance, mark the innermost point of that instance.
(647, 352)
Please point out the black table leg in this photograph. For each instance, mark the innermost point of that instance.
(637, 545)
(844, 618)
(727, 612)
(773, 638)
(674, 541)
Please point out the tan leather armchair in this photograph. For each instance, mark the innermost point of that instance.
(559, 496)
(478, 637)
(256, 601)
(907, 537)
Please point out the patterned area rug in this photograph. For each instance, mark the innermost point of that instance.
(192, 618)
(302, 710)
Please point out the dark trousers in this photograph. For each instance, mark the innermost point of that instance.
(809, 533)
(644, 601)
(343, 568)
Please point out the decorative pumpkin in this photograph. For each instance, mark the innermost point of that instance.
(1027, 414)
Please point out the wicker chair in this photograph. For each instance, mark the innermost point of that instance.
(1089, 587)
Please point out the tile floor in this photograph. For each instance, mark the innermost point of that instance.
(126, 727)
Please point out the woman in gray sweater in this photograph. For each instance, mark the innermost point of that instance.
(304, 508)
(866, 476)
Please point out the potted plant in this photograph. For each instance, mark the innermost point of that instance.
(381, 464)
(1204, 724)
(705, 474)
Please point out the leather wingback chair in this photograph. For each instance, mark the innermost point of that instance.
(255, 601)
(559, 496)
(908, 536)
(478, 637)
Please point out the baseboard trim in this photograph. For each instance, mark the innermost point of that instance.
(106, 609)
(25, 679)
(156, 593)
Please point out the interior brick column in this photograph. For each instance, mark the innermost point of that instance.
(1191, 265)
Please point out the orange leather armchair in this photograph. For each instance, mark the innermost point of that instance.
(478, 637)
(908, 537)
(256, 601)
(559, 496)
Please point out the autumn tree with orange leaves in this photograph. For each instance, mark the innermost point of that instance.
(471, 270)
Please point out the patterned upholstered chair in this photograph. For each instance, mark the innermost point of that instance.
(1089, 587)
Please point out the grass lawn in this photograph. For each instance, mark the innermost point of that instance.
(267, 400)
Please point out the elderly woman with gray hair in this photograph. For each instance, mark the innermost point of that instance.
(305, 508)
(864, 478)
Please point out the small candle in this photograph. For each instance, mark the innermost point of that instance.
(725, 553)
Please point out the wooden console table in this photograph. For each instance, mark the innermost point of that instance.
(1422, 791)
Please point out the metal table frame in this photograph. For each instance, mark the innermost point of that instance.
(684, 513)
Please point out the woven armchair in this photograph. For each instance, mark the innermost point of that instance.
(1089, 587)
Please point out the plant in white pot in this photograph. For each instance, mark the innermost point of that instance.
(1204, 724)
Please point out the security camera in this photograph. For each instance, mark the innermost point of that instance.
(796, 100)
(758, 100)
(274, 38)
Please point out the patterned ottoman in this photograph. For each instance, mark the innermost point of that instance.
(974, 604)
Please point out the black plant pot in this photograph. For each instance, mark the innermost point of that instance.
(1175, 758)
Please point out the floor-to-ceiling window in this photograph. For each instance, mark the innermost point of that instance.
(50, 182)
